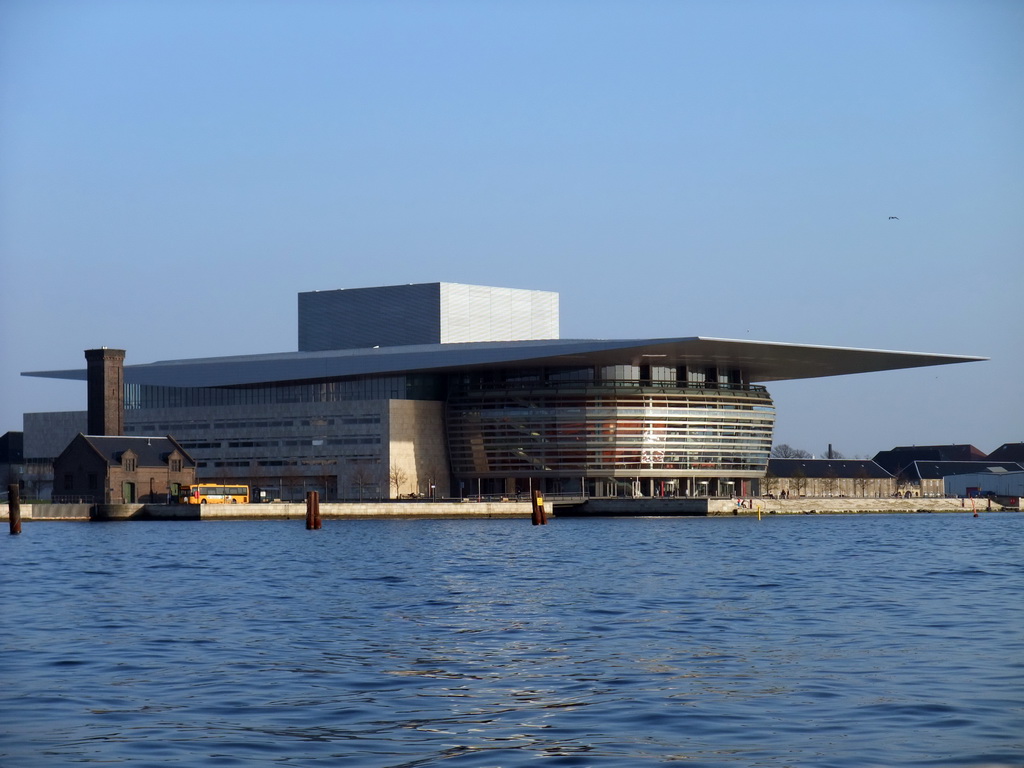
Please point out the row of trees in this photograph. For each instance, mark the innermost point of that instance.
(798, 482)
(784, 451)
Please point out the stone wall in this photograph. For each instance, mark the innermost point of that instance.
(51, 511)
(842, 506)
(417, 446)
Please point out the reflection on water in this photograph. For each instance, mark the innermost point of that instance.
(792, 641)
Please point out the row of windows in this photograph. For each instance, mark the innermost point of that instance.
(314, 442)
(197, 426)
(143, 396)
(523, 463)
(561, 402)
(500, 465)
(250, 462)
(426, 386)
(247, 464)
(551, 446)
(608, 430)
(623, 375)
(258, 424)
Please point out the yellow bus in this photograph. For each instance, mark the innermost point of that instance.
(210, 493)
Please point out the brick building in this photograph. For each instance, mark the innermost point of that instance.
(121, 470)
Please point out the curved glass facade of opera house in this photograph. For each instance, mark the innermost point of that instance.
(608, 431)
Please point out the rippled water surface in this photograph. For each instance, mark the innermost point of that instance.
(817, 641)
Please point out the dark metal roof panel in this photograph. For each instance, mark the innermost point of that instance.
(1008, 452)
(151, 451)
(820, 468)
(763, 361)
(934, 470)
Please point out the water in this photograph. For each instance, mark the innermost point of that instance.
(792, 641)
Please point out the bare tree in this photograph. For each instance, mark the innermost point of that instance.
(325, 478)
(861, 478)
(36, 479)
(290, 485)
(770, 483)
(784, 451)
(831, 481)
(397, 476)
(798, 480)
(362, 477)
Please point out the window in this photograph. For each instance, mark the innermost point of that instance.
(175, 465)
(129, 463)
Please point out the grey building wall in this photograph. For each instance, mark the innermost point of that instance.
(343, 449)
(48, 434)
(425, 313)
(338, 448)
(46, 437)
(1001, 483)
(357, 318)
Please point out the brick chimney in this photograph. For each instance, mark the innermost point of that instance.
(105, 376)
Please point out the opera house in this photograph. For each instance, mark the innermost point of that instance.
(452, 390)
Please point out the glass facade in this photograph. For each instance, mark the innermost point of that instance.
(639, 429)
(282, 450)
(410, 387)
(624, 422)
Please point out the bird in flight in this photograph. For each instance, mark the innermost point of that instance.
(894, 217)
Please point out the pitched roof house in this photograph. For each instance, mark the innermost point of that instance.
(102, 469)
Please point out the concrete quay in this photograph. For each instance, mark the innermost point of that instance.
(278, 511)
(869, 506)
(500, 509)
(700, 507)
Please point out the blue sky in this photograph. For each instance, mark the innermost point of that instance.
(173, 173)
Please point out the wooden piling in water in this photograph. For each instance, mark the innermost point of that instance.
(538, 517)
(313, 520)
(14, 508)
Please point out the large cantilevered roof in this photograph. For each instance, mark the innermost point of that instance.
(763, 361)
